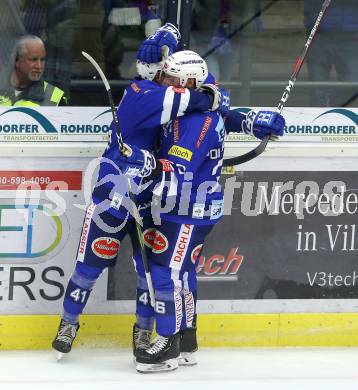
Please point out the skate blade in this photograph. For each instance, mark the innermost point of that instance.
(187, 359)
(59, 355)
(168, 365)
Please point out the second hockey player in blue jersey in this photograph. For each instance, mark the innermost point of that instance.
(188, 202)
(150, 106)
(144, 107)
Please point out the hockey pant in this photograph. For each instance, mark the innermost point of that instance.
(176, 249)
(98, 248)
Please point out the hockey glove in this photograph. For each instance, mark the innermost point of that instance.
(263, 123)
(151, 49)
(135, 162)
(220, 98)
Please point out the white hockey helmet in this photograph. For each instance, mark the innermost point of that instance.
(186, 64)
(148, 71)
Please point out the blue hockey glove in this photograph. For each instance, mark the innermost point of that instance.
(151, 49)
(263, 123)
(135, 162)
(224, 104)
(220, 98)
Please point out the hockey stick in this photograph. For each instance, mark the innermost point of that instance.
(130, 193)
(291, 82)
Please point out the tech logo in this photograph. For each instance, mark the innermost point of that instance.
(219, 267)
(155, 240)
(105, 247)
(195, 253)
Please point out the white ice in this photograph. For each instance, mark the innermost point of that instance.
(243, 368)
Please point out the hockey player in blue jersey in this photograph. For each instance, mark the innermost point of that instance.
(189, 203)
(257, 124)
(144, 107)
(94, 253)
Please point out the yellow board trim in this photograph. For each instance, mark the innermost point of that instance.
(214, 330)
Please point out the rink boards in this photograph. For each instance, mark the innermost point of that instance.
(214, 330)
(280, 269)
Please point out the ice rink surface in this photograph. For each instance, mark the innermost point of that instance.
(219, 369)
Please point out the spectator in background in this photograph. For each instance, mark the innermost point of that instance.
(125, 25)
(59, 38)
(53, 21)
(221, 23)
(335, 46)
(23, 83)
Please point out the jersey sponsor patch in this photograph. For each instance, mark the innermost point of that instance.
(178, 304)
(203, 132)
(105, 247)
(198, 210)
(116, 200)
(176, 130)
(166, 165)
(216, 209)
(135, 87)
(180, 152)
(195, 253)
(155, 240)
(189, 308)
(85, 232)
(181, 246)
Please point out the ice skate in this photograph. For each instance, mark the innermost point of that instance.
(161, 356)
(64, 338)
(140, 339)
(188, 347)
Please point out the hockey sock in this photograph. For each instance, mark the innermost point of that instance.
(189, 312)
(78, 290)
(189, 299)
(168, 311)
(144, 310)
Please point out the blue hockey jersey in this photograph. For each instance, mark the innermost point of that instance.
(189, 191)
(145, 106)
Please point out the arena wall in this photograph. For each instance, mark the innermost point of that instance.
(279, 270)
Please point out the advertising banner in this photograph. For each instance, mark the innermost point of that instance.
(287, 241)
(285, 235)
(91, 124)
(306, 124)
(51, 124)
(42, 205)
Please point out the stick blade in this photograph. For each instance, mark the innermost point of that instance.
(98, 68)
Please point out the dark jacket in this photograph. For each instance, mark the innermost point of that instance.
(341, 15)
(39, 93)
